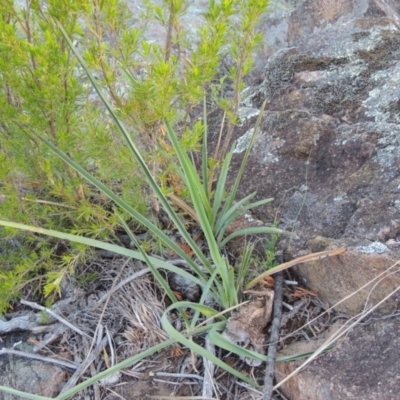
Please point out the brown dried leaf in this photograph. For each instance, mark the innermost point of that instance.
(176, 351)
(178, 295)
(246, 326)
(301, 292)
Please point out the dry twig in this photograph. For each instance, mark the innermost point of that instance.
(274, 338)
(54, 315)
(61, 363)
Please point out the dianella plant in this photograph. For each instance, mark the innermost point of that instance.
(90, 117)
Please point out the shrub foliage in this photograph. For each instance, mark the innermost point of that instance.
(44, 90)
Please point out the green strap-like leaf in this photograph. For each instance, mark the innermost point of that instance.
(136, 153)
(105, 246)
(23, 395)
(160, 279)
(224, 343)
(251, 231)
(201, 351)
(235, 212)
(220, 341)
(220, 189)
(232, 195)
(228, 215)
(204, 150)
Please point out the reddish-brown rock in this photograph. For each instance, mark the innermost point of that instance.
(364, 364)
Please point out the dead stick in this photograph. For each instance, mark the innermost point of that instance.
(274, 338)
(62, 363)
(54, 315)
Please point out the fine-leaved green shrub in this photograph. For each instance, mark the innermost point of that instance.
(44, 91)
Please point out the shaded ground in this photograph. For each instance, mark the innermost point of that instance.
(125, 322)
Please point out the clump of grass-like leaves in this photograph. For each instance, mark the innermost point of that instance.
(43, 89)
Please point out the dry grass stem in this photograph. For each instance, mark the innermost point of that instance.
(299, 260)
(179, 376)
(130, 278)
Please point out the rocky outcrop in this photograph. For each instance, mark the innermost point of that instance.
(328, 149)
(26, 374)
(364, 365)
